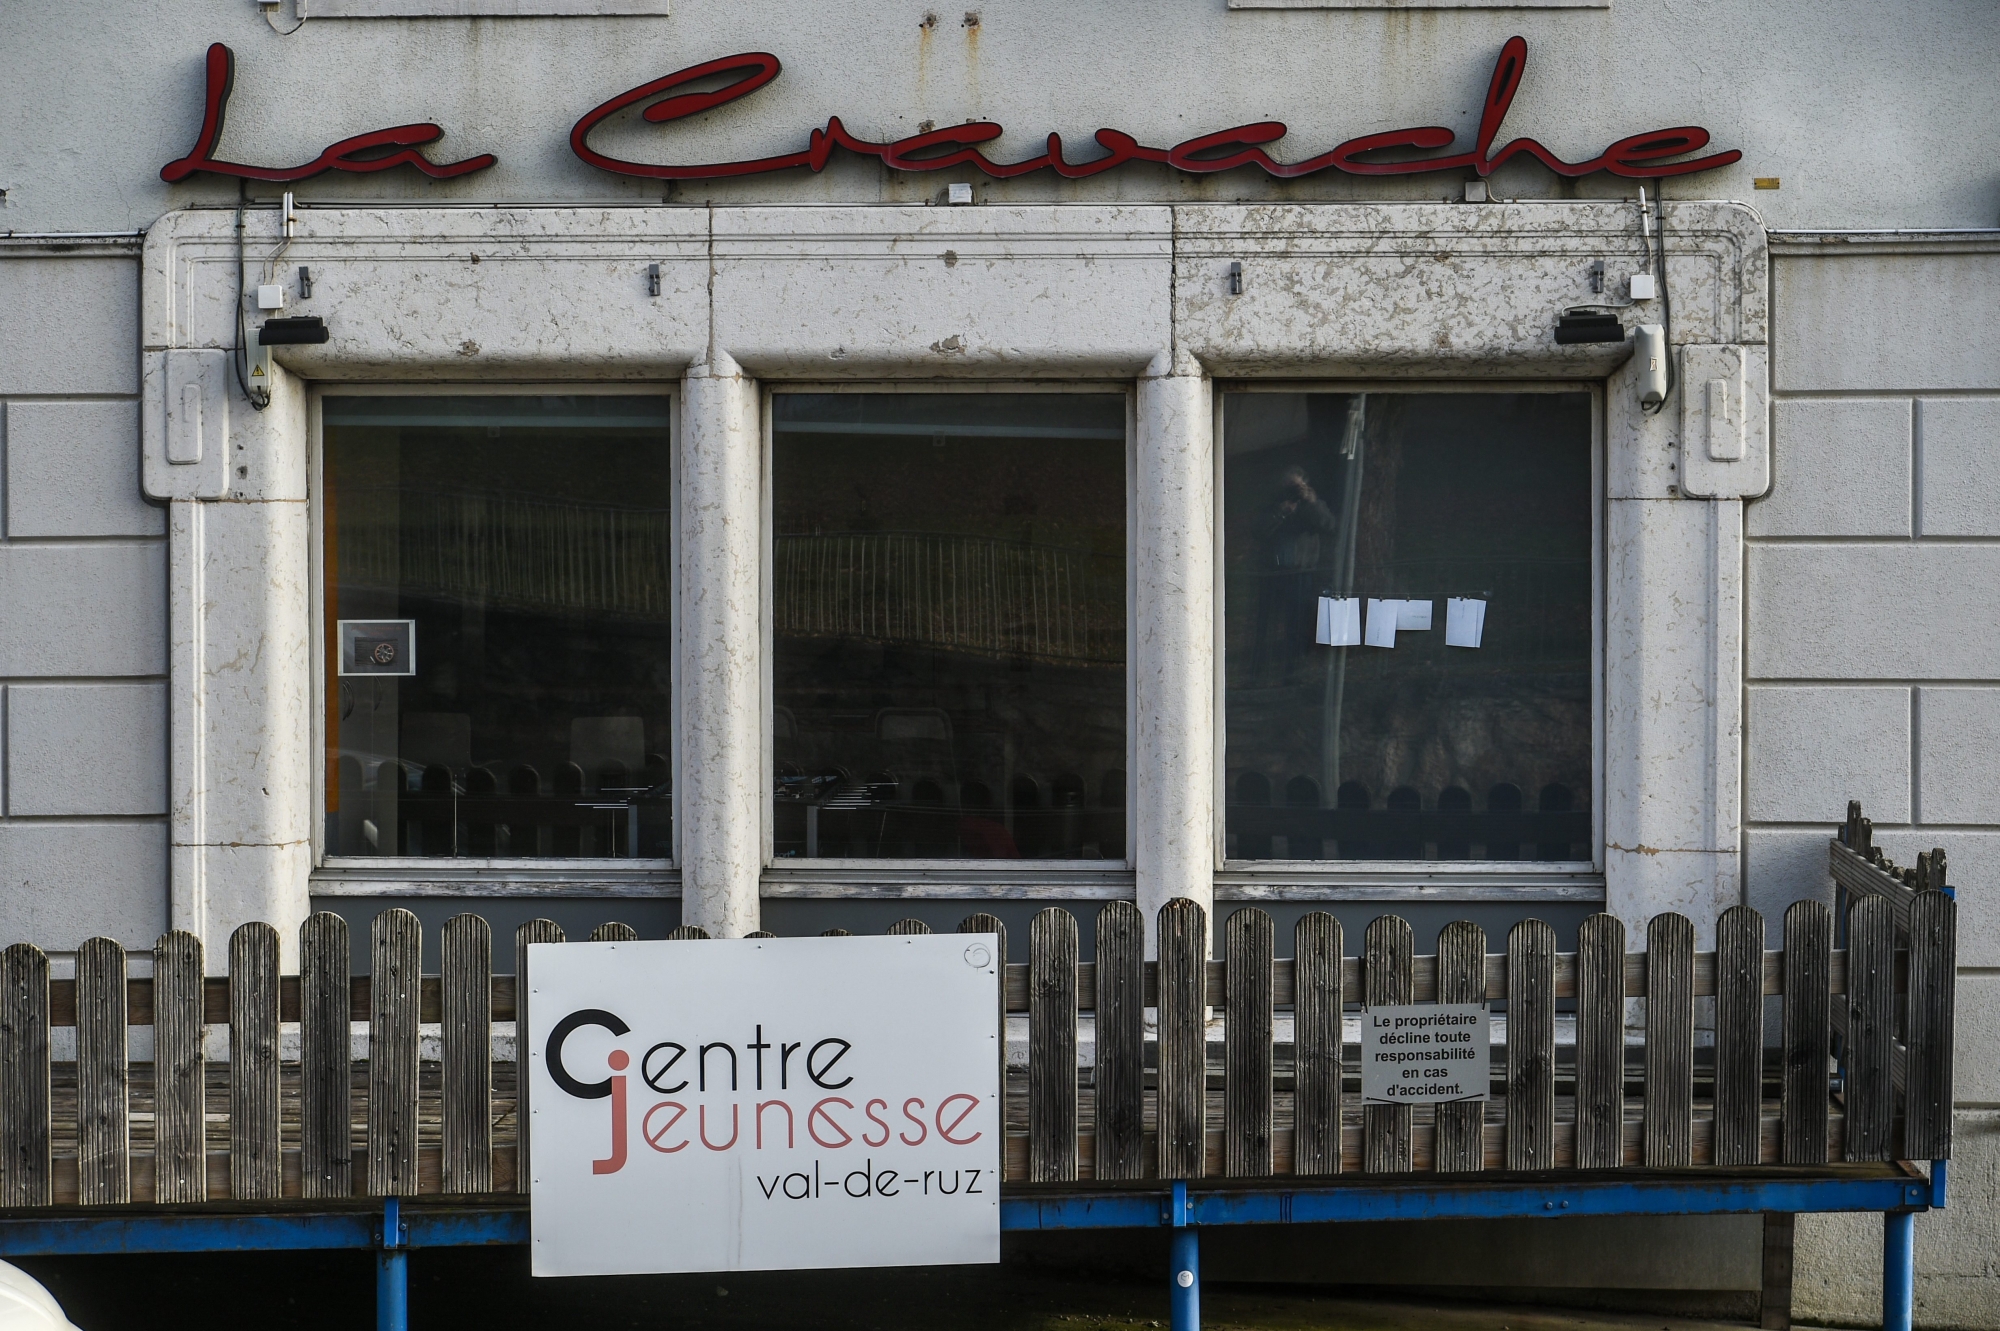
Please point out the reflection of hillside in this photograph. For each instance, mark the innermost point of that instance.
(970, 594)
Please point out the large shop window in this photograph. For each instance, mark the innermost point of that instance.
(1409, 625)
(948, 607)
(498, 574)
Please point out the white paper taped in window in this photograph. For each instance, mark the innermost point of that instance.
(1382, 616)
(1464, 622)
(1339, 622)
(1413, 615)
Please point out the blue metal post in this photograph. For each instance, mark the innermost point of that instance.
(392, 1272)
(1899, 1269)
(1184, 1294)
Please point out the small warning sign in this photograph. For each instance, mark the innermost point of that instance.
(1426, 1053)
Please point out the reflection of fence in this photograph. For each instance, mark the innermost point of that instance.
(1408, 834)
(955, 593)
(503, 550)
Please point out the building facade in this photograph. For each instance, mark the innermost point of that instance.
(790, 469)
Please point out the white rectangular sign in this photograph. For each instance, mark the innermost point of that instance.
(764, 1104)
(1426, 1053)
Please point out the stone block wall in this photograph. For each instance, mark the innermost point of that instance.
(83, 610)
(1873, 672)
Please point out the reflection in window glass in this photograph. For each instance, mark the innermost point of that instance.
(1471, 510)
(948, 588)
(498, 579)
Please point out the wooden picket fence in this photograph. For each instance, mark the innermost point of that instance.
(1188, 1078)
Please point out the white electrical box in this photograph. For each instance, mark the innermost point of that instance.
(958, 192)
(1642, 287)
(1725, 421)
(270, 296)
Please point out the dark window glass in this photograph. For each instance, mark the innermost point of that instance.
(499, 572)
(1420, 750)
(948, 584)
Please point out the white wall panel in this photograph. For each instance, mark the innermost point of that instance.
(69, 325)
(1961, 474)
(1840, 467)
(1783, 865)
(86, 749)
(1975, 1072)
(1886, 321)
(73, 470)
(1959, 734)
(83, 609)
(61, 883)
(1912, 611)
(1814, 749)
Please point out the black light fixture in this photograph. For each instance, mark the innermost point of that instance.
(300, 330)
(293, 332)
(1582, 324)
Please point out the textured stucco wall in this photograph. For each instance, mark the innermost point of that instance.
(83, 838)
(1872, 115)
(1873, 628)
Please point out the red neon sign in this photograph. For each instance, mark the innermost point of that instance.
(341, 156)
(1640, 155)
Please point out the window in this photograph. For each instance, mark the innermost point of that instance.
(1408, 623)
(499, 574)
(948, 615)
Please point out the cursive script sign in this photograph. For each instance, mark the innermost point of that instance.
(1644, 156)
(363, 152)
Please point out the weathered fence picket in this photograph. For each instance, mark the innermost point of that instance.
(1739, 1036)
(26, 1170)
(1669, 1134)
(396, 949)
(1120, 1013)
(1388, 977)
(180, 1148)
(1870, 1027)
(326, 1148)
(103, 1078)
(256, 1159)
(1600, 1043)
(1183, 1052)
(1248, 941)
(1461, 978)
(1933, 964)
(466, 1056)
(1531, 1046)
(1807, 1032)
(1052, 1080)
(1317, 1002)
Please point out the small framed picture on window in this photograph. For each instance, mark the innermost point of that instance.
(378, 646)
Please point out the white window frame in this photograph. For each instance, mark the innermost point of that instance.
(833, 876)
(455, 875)
(1298, 880)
